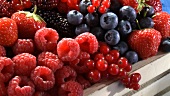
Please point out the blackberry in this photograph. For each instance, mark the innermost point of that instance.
(45, 4)
(58, 22)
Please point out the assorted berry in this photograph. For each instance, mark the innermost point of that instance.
(61, 47)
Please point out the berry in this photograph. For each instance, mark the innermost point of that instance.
(126, 80)
(8, 32)
(143, 42)
(50, 60)
(91, 8)
(94, 76)
(24, 64)
(104, 49)
(2, 51)
(106, 3)
(109, 58)
(81, 29)
(109, 20)
(98, 56)
(23, 46)
(135, 77)
(113, 69)
(112, 37)
(122, 47)
(122, 62)
(63, 7)
(147, 11)
(71, 88)
(90, 64)
(115, 54)
(146, 22)
(96, 3)
(92, 19)
(74, 17)
(135, 86)
(46, 39)
(66, 73)
(124, 28)
(115, 6)
(83, 6)
(88, 42)
(165, 45)
(21, 86)
(46, 5)
(3, 89)
(122, 73)
(68, 49)
(41, 93)
(163, 27)
(101, 65)
(132, 57)
(27, 23)
(156, 4)
(127, 13)
(128, 68)
(98, 32)
(43, 78)
(102, 9)
(84, 83)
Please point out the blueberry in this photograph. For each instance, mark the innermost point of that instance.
(134, 25)
(109, 20)
(115, 6)
(165, 45)
(112, 37)
(127, 13)
(92, 19)
(83, 6)
(74, 17)
(124, 27)
(98, 32)
(81, 29)
(147, 11)
(146, 22)
(132, 57)
(122, 47)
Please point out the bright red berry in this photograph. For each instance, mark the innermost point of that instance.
(128, 68)
(122, 73)
(104, 49)
(98, 56)
(109, 58)
(96, 3)
(135, 86)
(90, 64)
(106, 3)
(3, 89)
(125, 80)
(101, 65)
(113, 69)
(115, 54)
(2, 51)
(122, 62)
(94, 76)
(84, 83)
(91, 8)
(102, 9)
(135, 77)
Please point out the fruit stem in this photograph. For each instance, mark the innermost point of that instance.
(35, 9)
(138, 24)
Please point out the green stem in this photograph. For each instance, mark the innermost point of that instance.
(138, 24)
(35, 9)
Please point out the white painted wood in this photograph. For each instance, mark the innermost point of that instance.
(147, 72)
(166, 94)
(155, 87)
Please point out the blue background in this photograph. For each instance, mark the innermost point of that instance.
(166, 5)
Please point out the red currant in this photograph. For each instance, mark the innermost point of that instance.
(98, 56)
(135, 77)
(128, 68)
(122, 73)
(96, 3)
(102, 9)
(106, 3)
(126, 80)
(104, 49)
(90, 64)
(115, 54)
(27, 3)
(105, 75)
(101, 65)
(91, 8)
(113, 69)
(94, 76)
(135, 86)
(109, 58)
(122, 62)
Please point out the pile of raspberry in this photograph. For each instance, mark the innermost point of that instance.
(49, 66)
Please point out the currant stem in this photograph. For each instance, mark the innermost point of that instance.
(138, 24)
(35, 9)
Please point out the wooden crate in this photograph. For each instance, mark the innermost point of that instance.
(155, 80)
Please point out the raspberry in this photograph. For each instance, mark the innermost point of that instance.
(24, 64)
(41, 93)
(50, 60)
(21, 86)
(85, 83)
(65, 74)
(2, 51)
(43, 78)
(23, 46)
(71, 88)
(6, 69)
(68, 49)
(79, 66)
(46, 39)
(3, 90)
(87, 42)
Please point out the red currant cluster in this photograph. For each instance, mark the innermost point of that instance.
(108, 64)
(102, 6)
(7, 8)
